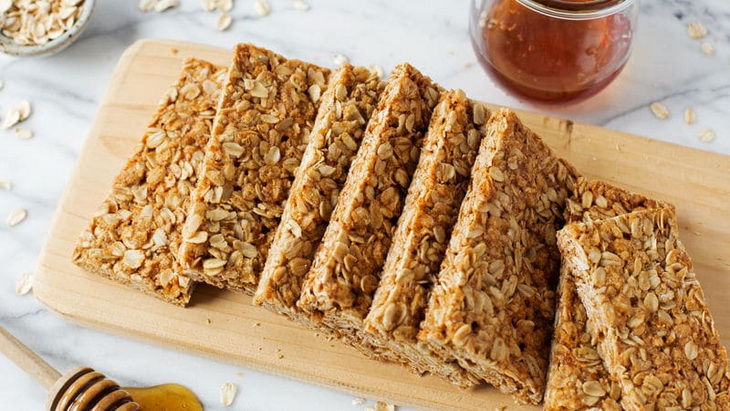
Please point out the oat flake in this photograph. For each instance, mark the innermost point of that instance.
(228, 393)
(24, 284)
(16, 217)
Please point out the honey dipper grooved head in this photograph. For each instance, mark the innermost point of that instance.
(82, 389)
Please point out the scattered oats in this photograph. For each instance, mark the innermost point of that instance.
(207, 320)
(358, 401)
(224, 5)
(384, 406)
(174, 51)
(16, 217)
(24, 284)
(377, 70)
(301, 5)
(146, 5)
(706, 135)
(23, 133)
(6, 184)
(659, 110)
(697, 30)
(228, 393)
(689, 115)
(208, 5)
(163, 5)
(340, 59)
(707, 48)
(256, 324)
(223, 22)
(24, 109)
(262, 7)
(12, 117)
(280, 356)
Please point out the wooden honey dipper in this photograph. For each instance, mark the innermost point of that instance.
(80, 389)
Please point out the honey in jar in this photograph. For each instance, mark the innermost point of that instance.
(553, 51)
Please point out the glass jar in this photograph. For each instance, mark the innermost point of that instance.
(553, 51)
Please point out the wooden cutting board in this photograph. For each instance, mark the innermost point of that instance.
(227, 327)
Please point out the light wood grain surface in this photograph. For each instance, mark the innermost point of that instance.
(225, 325)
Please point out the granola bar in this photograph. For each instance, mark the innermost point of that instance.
(136, 235)
(423, 232)
(345, 109)
(639, 288)
(266, 112)
(577, 378)
(493, 306)
(339, 288)
(597, 200)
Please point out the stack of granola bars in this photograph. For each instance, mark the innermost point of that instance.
(416, 226)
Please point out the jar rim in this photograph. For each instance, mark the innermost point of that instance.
(572, 10)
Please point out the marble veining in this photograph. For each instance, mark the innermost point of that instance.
(65, 89)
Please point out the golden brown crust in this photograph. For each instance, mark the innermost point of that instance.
(339, 288)
(432, 205)
(266, 112)
(493, 305)
(597, 200)
(639, 288)
(577, 378)
(345, 109)
(135, 238)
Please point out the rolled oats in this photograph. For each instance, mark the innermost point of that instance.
(690, 117)
(301, 5)
(223, 22)
(228, 393)
(492, 307)
(135, 237)
(659, 110)
(262, 7)
(34, 23)
(24, 284)
(256, 146)
(421, 237)
(345, 109)
(345, 273)
(16, 217)
(696, 30)
(706, 135)
(664, 352)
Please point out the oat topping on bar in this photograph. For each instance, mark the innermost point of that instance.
(135, 236)
(345, 109)
(423, 232)
(493, 305)
(640, 290)
(266, 113)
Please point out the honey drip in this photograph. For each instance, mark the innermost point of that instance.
(165, 397)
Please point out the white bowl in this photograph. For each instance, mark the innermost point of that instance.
(8, 46)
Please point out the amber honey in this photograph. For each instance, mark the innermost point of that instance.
(166, 397)
(550, 58)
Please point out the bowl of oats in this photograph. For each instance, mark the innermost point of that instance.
(38, 28)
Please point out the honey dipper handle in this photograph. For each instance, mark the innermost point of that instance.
(26, 359)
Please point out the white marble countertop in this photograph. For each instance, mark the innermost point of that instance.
(666, 66)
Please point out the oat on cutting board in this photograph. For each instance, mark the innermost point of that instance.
(493, 305)
(344, 111)
(639, 288)
(421, 237)
(577, 377)
(345, 273)
(266, 113)
(136, 235)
